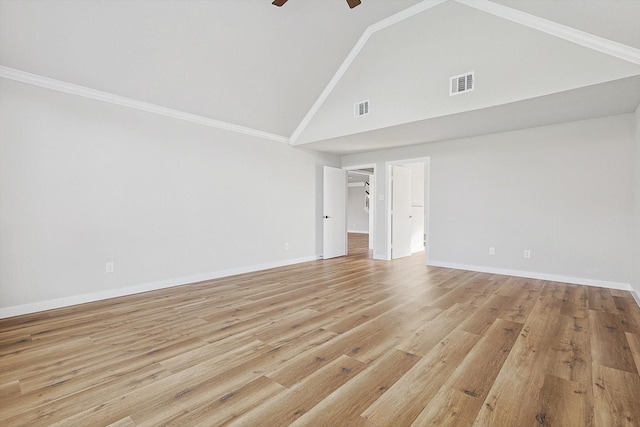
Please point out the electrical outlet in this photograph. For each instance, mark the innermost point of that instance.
(286, 246)
(110, 267)
(492, 250)
(527, 253)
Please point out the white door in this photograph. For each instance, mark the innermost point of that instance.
(334, 213)
(401, 224)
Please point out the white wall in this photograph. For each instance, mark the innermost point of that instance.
(562, 191)
(636, 214)
(84, 182)
(357, 217)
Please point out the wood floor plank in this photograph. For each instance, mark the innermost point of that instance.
(523, 295)
(404, 401)
(13, 344)
(616, 395)
(39, 410)
(344, 406)
(296, 401)
(485, 315)
(608, 333)
(349, 341)
(349, 322)
(241, 388)
(570, 354)
(634, 345)
(458, 401)
(224, 409)
(77, 378)
(421, 341)
(305, 364)
(564, 403)
(600, 299)
(523, 372)
(125, 422)
(628, 313)
(173, 387)
(576, 302)
(471, 290)
(12, 367)
(9, 391)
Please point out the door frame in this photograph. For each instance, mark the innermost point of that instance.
(427, 201)
(372, 209)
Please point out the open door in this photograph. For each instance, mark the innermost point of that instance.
(334, 213)
(401, 223)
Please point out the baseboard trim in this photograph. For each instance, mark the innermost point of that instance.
(35, 307)
(534, 275)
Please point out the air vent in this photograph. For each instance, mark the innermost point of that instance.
(361, 108)
(462, 83)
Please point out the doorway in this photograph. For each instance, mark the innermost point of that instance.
(361, 207)
(407, 219)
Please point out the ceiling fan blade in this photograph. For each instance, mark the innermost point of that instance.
(278, 2)
(353, 3)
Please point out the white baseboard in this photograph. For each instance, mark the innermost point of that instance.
(358, 231)
(146, 287)
(534, 275)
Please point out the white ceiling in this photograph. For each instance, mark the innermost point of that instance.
(416, 57)
(245, 62)
(249, 63)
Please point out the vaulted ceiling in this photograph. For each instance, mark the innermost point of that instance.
(293, 73)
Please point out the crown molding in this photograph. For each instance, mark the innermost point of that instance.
(60, 86)
(368, 32)
(582, 38)
(588, 40)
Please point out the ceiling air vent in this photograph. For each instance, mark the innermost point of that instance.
(462, 83)
(361, 108)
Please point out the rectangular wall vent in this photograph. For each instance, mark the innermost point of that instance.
(361, 108)
(462, 83)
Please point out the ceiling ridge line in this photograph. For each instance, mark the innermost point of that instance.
(582, 38)
(83, 91)
(362, 41)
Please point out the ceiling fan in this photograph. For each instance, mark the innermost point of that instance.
(351, 3)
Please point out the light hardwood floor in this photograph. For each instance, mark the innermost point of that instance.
(343, 342)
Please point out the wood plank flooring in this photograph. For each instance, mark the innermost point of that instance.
(342, 342)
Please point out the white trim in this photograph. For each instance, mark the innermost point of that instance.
(60, 86)
(131, 290)
(534, 275)
(368, 32)
(381, 257)
(635, 296)
(355, 184)
(588, 40)
(427, 202)
(358, 231)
